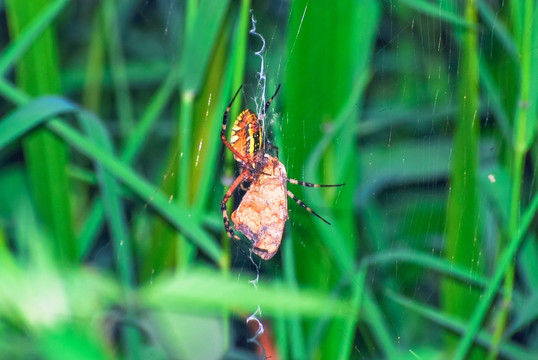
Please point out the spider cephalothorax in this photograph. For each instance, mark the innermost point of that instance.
(247, 138)
(263, 212)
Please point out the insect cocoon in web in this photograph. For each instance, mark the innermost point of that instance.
(263, 211)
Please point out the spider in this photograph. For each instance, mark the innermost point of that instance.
(262, 212)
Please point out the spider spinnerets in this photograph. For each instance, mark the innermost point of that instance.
(263, 210)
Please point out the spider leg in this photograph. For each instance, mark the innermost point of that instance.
(298, 201)
(268, 103)
(307, 184)
(229, 230)
(223, 129)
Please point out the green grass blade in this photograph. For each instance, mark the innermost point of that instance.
(93, 223)
(429, 8)
(497, 26)
(198, 58)
(297, 341)
(133, 147)
(25, 39)
(428, 262)
(26, 118)
(528, 265)
(115, 213)
(343, 121)
(373, 315)
(178, 216)
(213, 291)
(494, 100)
(46, 156)
(502, 266)
(154, 108)
(95, 66)
(350, 323)
(239, 57)
(183, 191)
(527, 309)
(508, 350)
(200, 42)
(124, 106)
(12, 93)
(533, 87)
(112, 204)
(312, 103)
(463, 239)
(524, 129)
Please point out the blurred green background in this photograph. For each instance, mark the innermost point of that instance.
(112, 172)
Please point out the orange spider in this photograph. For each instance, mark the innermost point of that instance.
(263, 210)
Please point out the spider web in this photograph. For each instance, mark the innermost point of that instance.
(404, 148)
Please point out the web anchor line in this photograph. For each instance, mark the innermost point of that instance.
(262, 80)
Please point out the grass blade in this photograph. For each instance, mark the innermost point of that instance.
(24, 41)
(46, 156)
(493, 287)
(200, 42)
(462, 225)
(176, 215)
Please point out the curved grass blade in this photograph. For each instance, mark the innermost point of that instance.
(509, 350)
(504, 263)
(25, 39)
(211, 292)
(178, 216)
(440, 13)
